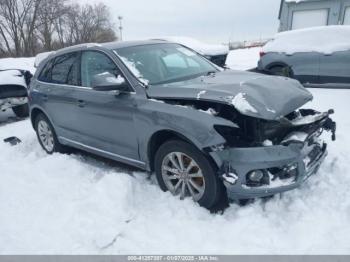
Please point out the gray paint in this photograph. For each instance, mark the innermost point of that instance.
(336, 11)
(121, 126)
(312, 67)
(272, 97)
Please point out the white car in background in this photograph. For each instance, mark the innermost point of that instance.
(317, 56)
(214, 52)
(13, 91)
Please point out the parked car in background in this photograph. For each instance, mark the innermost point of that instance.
(215, 53)
(207, 133)
(13, 91)
(318, 56)
(41, 57)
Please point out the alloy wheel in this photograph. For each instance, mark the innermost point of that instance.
(46, 135)
(183, 176)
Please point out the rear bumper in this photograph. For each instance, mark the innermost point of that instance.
(305, 160)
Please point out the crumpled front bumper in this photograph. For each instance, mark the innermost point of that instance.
(241, 161)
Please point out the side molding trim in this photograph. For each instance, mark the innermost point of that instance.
(103, 151)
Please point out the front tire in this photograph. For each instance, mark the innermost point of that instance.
(21, 111)
(47, 136)
(184, 170)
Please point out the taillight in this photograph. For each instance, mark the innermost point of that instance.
(262, 53)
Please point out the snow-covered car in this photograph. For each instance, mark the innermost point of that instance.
(215, 53)
(41, 57)
(207, 133)
(13, 91)
(318, 56)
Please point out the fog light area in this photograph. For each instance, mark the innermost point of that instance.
(272, 177)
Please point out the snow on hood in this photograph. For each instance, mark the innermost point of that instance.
(12, 77)
(200, 47)
(256, 95)
(323, 39)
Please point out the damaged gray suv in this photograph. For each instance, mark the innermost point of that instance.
(207, 133)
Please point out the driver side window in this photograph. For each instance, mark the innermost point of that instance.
(95, 63)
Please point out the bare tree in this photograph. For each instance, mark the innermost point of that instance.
(18, 23)
(90, 23)
(49, 13)
(30, 26)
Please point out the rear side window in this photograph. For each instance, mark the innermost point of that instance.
(45, 74)
(62, 70)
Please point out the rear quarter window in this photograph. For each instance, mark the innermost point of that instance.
(63, 69)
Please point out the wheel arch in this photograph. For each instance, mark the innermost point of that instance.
(34, 112)
(290, 72)
(276, 64)
(158, 139)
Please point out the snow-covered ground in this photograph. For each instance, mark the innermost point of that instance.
(79, 204)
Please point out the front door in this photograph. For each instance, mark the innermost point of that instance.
(106, 120)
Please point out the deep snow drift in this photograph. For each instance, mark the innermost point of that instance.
(78, 204)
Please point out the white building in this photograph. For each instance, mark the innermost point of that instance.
(296, 14)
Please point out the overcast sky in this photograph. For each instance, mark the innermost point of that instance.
(208, 20)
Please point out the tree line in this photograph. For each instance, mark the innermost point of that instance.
(28, 27)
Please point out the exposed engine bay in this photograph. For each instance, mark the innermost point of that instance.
(253, 132)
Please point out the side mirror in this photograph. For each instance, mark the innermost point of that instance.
(109, 82)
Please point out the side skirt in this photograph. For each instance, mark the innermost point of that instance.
(100, 152)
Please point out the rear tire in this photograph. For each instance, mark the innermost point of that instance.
(281, 70)
(47, 135)
(21, 111)
(201, 181)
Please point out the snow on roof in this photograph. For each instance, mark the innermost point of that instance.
(41, 57)
(324, 39)
(200, 47)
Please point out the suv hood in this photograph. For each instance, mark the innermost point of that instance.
(252, 94)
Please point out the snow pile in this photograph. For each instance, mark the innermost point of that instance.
(24, 63)
(243, 59)
(200, 47)
(12, 77)
(324, 39)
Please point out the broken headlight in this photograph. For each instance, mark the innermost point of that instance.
(232, 136)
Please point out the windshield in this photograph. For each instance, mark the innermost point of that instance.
(164, 63)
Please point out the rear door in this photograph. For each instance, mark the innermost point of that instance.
(57, 83)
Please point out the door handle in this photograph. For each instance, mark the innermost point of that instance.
(45, 97)
(81, 103)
